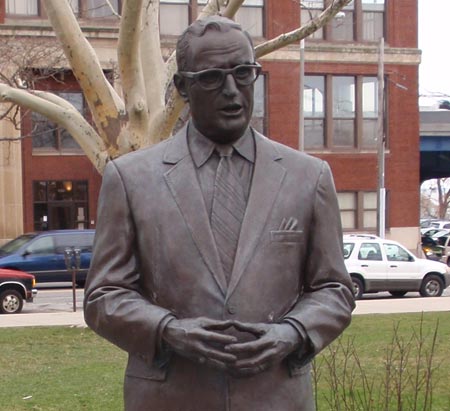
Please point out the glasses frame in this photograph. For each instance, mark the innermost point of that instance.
(194, 75)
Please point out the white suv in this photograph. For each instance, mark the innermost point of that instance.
(376, 264)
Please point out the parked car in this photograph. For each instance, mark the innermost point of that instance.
(42, 254)
(15, 287)
(440, 224)
(377, 264)
(431, 248)
(443, 240)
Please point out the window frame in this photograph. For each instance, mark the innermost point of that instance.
(358, 8)
(359, 210)
(58, 147)
(81, 14)
(360, 142)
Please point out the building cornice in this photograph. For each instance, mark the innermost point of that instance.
(317, 52)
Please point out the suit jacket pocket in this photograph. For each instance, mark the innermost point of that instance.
(286, 236)
(141, 367)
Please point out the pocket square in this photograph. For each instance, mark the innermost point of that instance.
(289, 224)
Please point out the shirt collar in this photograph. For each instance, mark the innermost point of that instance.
(201, 147)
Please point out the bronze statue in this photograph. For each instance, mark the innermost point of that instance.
(218, 259)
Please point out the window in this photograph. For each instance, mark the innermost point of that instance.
(344, 104)
(100, 8)
(314, 112)
(361, 20)
(373, 19)
(43, 245)
(250, 16)
(173, 16)
(22, 7)
(343, 28)
(82, 8)
(370, 251)
(259, 105)
(396, 253)
(309, 11)
(358, 210)
(352, 102)
(48, 137)
(60, 204)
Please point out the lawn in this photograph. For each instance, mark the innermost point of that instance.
(71, 369)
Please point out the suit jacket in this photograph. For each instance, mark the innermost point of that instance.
(155, 255)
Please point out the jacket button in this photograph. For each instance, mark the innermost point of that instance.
(231, 309)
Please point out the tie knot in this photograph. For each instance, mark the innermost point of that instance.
(224, 151)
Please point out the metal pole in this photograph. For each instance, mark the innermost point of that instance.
(381, 197)
(301, 112)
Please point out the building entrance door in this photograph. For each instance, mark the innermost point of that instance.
(61, 216)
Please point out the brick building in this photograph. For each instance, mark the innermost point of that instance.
(46, 178)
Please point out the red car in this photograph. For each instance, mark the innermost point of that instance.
(15, 287)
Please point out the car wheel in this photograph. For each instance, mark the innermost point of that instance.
(397, 293)
(358, 288)
(11, 302)
(432, 286)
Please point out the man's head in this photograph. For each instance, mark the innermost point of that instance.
(221, 101)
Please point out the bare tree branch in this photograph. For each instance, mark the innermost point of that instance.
(100, 96)
(67, 117)
(133, 85)
(288, 38)
(155, 79)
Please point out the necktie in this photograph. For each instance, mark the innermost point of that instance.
(228, 209)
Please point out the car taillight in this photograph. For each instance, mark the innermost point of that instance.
(33, 283)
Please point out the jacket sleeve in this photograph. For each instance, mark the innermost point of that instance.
(113, 304)
(324, 309)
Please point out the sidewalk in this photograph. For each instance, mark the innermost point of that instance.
(367, 306)
(74, 319)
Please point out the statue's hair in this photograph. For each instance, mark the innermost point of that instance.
(197, 29)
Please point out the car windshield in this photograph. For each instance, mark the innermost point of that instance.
(14, 245)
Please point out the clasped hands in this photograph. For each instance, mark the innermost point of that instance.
(202, 340)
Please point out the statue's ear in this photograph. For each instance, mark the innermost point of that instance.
(180, 84)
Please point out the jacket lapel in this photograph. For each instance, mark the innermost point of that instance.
(184, 187)
(268, 176)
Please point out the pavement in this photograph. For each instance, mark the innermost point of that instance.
(366, 306)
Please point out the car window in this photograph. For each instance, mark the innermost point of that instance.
(43, 245)
(13, 245)
(396, 253)
(83, 241)
(348, 248)
(442, 240)
(370, 251)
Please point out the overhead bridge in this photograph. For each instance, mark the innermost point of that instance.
(434, 144)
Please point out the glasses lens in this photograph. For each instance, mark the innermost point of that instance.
(210, 79)
(245, 75)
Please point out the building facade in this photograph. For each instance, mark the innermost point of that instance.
(329, 107)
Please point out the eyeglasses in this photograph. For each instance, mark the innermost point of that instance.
(211, 79)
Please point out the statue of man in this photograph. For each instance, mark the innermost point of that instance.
(218, 259)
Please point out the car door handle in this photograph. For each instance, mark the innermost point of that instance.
(364, 265)
(393, 266)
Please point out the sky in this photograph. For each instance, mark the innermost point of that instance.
(434, 24)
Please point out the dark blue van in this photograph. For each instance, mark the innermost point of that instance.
(42, 254)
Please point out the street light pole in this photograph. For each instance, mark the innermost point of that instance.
(381, 194)
(301, 113)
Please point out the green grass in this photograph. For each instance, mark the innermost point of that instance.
(71, 369)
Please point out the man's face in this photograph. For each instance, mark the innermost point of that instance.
(222, 114)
